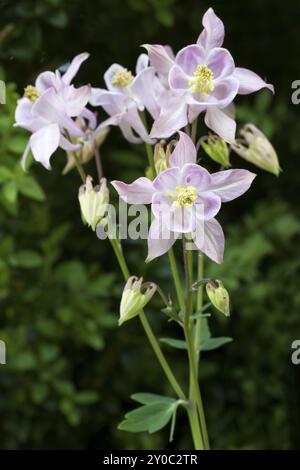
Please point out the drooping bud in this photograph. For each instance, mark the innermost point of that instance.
(257, 149)
(134, 299)
(218, 296)
(216, 148)
(88, 143)
(160, 158)
(93, 201)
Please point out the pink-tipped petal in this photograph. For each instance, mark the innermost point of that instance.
(209, 203)
(44, 142)
(213, 33)
(159, 57)
(250, 82)
(74, 67)
(220, 123)
(173, 117)
(75, 99)
(220, 62)
(230, 184)
(167, 181)
(133, 119)
(47, 80)
(184, 152)
(178, 79)
(195, 175)
(138, 192)
(189, 58)
(160, 239)
(209, 238)
(142, 88)
(142, 63)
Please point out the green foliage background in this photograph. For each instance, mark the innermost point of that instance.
(70, 370)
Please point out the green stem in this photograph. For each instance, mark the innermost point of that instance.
(199, 307)
(120, 258)
(195, 395)
(194, 425)
(176, 278)
(160, 356)
(79, 168)
(194, 130)
(150, 160)
(148, 330)
(149, 150)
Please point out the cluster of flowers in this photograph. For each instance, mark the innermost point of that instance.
(174, 90)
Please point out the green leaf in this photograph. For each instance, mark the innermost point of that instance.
(214, 343)
(26, 259)
(205, 331)
(5, 174)
(175, 343)
(149, 418)
(29, 187)
(149, 398)
(86, 397)
(10, 191)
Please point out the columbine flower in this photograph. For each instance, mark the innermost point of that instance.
(202, 78)
(185, 198)
(216, 148)
(218, 296)
(134, 299)
(93, 201)
(127, 95)
(46, 110)
(257, 149)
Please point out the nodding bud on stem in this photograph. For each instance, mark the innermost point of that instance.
(160, 158)
(93, 201)
(216, 148)
(134, 298)
(218, 296)
(92, 139)
(257, 149)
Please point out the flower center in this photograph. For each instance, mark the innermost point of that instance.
(31, 93)
(122, 78)
(203, 81)
(185, 196)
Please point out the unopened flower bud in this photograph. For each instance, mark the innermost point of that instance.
(160, 158)
(88, 142)
(93, 201)
(216, 148)
(134, 299)
(257, 149)
(218, 296)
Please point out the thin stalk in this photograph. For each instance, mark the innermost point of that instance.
(195, 395)
(194, 130)
(199, 304)
(194, 425)
(79, 168)
(150, 160)
(148, 330)
(176, 278)
(98, 163)
(149, 150)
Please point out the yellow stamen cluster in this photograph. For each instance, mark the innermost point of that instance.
(203, 81)
(185, 196)
(31, 93)
(122, 78)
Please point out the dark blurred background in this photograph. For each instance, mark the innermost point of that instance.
(70, 370)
